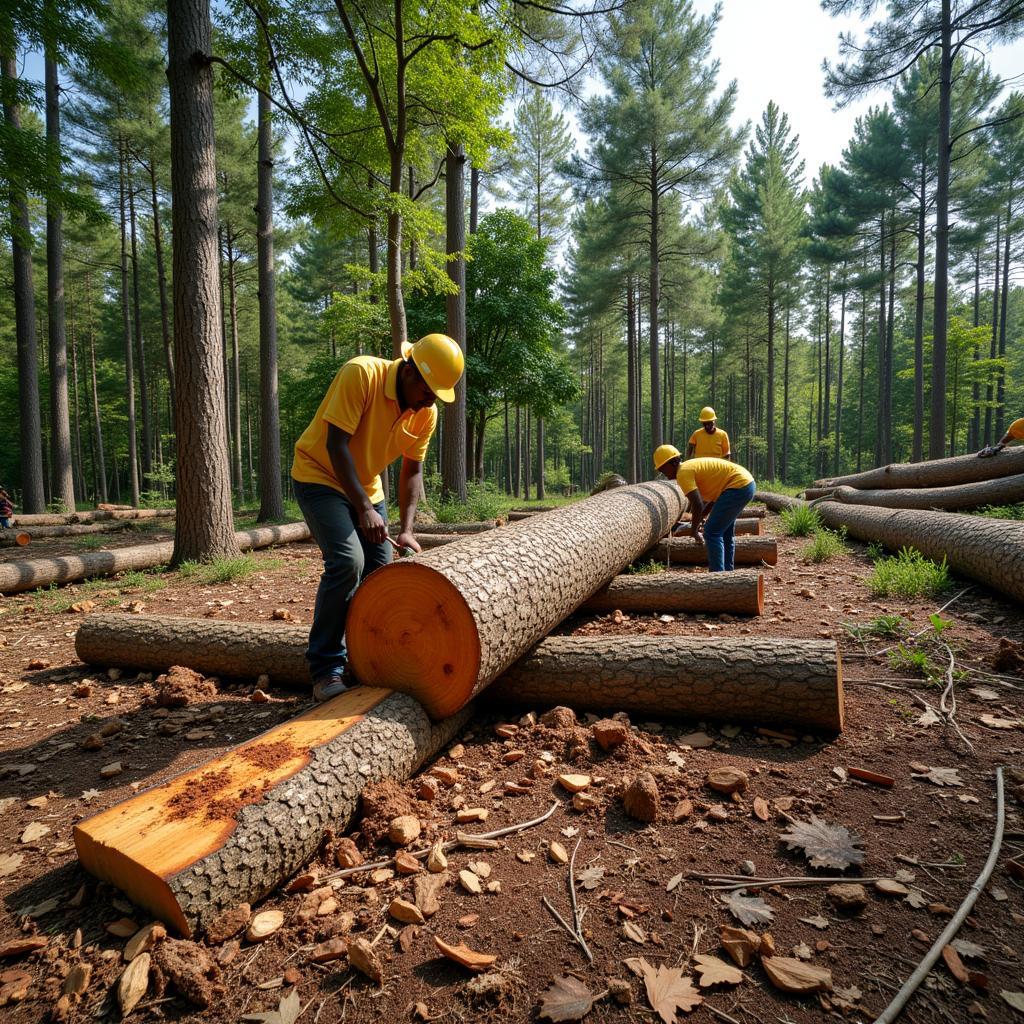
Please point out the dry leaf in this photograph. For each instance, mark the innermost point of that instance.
(790, 975)
(263, 925)
(362, 957)
(1015, 999)
(939, 776)
(674, 881)
(748, 909)
(816, 922)
(462, 954)
(956, 966)
(971, 950)
(927, 717)
(916, 899)
(668, 991)
(761, 810)
(633, 931)
(713, 971)
(824, 845)
(740, 944)
(34, 830)
(566, 999)
(590, 878)
(984, 693)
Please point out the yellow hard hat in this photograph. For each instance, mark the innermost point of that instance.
(663, 453)
(440, 362)
(707, 414)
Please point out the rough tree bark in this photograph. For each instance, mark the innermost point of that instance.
(963, 469)
(443, 625)
(9, 538)
(204, 524)
(988, 550)
(754, 679)
(231, 830)
(66, 519)
(453, 441)
(738, 592)
(685, 551)
(1005, 491)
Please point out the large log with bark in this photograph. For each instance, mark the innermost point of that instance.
(482, 526)
(41, 572)
(963, 469)
(740, 592)
(445, 624)
(686, 551)
(755, 679)
(1005, 491)
(988, 550)
(232, 829)
(94, 516)
(9, 538)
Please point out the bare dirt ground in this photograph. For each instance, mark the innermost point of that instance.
(632, 884)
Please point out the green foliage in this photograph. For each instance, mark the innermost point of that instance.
(887, 626)
(482, 502)
(1003, 511)
(800, 521)
(825, 545)
(649, 568)
(876, 550)
(913, 659)
(225, 570)
(909, 574)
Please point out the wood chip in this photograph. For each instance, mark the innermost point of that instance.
(132, 984)
(792, 975)
(740, 943)
(362, 957)
(263, 925)
(19, 947)
(462, 954)
(144, 940)
(406, 912)
(574, 783)
(556, 851)
(470, 882)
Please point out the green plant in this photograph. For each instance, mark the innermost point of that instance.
(909, 574)
(800, 521)
(825, 545)
(875, 551)
(91, 542)
(146, 581)
(912, 659)
(226, 570)
(889, 626)
(1003, 511)
(645, 568)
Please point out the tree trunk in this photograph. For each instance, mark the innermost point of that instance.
(654, 299)
(126, 330)
(453, 451)
(919, 269)
(30, 430)
(540, 458)
(99, 461)
(839, 375)
(1001, 378)
(140, 352)
(684, 551)
(988, 550)
(770, 385)
(230, 831)
(990, 386)
(785, 401)
(963, 469)
(78, 463)
(9, 538)
(204, 524)
(741, 593)
(236, 376)
(98, 516)
(161, 279)
(487, 599)
(517, 460)
(1005, 490)
(271, 498)
(41, 572)
(632, 412)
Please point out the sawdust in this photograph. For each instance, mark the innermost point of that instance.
(269, 755)
(181, 686)
(197, 795)
(190, 968)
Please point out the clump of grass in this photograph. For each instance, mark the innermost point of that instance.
(875, 551)
(800, 521)
(221, 570)
(645, 568)
(912, 659)
(145, 581)
(825, 545)
(887, 626)
(909, 574)
(482, 502)
(90, 542)
(1003, 511)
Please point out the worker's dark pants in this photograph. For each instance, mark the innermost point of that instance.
(348, 558)
(720, 527)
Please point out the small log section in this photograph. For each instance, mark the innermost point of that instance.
(445, 624)
(988, 550)
(754, 679)
(1006, 490)
(752, 527)
(41, 572)
(232, 829)
(963, 469)
(740, 592)
(9, 538)
(686, 551)
(96, 516)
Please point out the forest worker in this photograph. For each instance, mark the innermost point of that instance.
(1014, 432)
(708, 441)
(374, 411)
(715, 486)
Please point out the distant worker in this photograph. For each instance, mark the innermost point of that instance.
(711, 486)
(1014, 432)
(708, 441)
(375, 411)
(6, 510)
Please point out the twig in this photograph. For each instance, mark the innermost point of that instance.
(615, 842)
(721, 1014)
(577, 920)
(558, 917)
(463, 840)
(892, 1011)
(921, 632)
(950, 692)
(731, 883)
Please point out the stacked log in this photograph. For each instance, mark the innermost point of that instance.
(9, 538)
(738, 592)
(745, 527)
(988, 550)
(963, 469)
(443, 625)
(41, 572)
(687, 551)
(95, 516)
(1005, 490)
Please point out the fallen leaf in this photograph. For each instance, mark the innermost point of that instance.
(971, 950)
(590, 878)
(916, 899)
(927, 717)
(791, 975)
(939, 776)
(566, 999)
(984, 693)
(748, 909)
(674, 881)
(462, 954)
(824, 845)
(956, 966)
(633, 931)
(740, 944)
(713, 971)
(668, 990)
(34, 830)
(816, 922)
(1015, 999)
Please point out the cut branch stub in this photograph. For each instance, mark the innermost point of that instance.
(445, 624)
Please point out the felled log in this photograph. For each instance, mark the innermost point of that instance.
(442, 528)
(93, 516)
(41, 572)
(988, 550)
(9, 538)
(754, 679)
(686, 551)
(963, 469)
(740, 592)
(1005, 491)
(752, 527)
(443, 625)
(810, 493)
(230, 831)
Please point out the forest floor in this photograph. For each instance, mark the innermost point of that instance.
(930, 832)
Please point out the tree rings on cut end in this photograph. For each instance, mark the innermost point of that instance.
(411, 630)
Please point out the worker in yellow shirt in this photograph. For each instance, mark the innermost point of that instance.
(709, 441)
(374, 411)
(1014, 432)
(712, 486)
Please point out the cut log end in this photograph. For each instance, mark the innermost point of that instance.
(414, 631)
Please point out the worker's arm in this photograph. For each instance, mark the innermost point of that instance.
(729, 456)
(698, 510)
(690, 449)
(410, 483)
(371, 522)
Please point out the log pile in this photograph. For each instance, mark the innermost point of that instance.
(687, 551)
(10, 538)
(740, 592)
(1007, 490)
(95, 516)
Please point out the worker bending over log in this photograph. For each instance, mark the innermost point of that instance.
(716, 489)
(374, 411)
(708, 441)
(1014, 432)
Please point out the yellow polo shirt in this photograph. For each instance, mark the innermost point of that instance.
(710, 446)
(711, 477)
(363, 401)
(1016, 429)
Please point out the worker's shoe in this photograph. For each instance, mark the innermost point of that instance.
(330, 685)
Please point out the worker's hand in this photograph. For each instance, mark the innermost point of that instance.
(407, 540)
(697, 535)
(372, 523)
